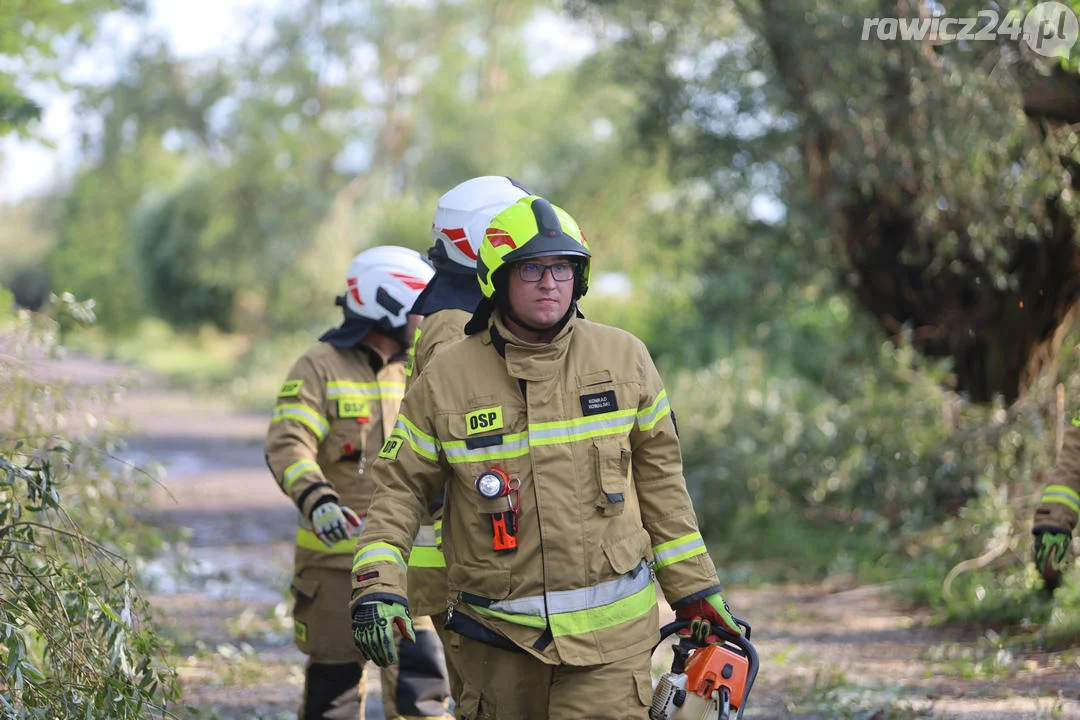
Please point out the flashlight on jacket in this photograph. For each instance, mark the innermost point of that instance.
(494, 484)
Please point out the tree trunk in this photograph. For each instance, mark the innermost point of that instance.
(999, 339)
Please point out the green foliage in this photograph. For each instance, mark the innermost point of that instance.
(93, 256)
(26, 236)
(180, 261)
(7, 306)
(35, 37)
(74, 641)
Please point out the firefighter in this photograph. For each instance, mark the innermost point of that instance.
(445, 305)
(332, 414)
(554, 442)
(1056, 514)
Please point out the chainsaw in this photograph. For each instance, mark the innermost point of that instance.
(707, 680)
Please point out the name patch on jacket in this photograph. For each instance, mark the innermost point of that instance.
(485, 420)
(291, 388)
(353, 408)
(597, 403)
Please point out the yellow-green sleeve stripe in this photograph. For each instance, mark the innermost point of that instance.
(656, 412)
(1063, 495)
(673, 551)
(377, 552)
(304, 415)
(297, 469)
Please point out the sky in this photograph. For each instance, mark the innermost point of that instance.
(194, 28)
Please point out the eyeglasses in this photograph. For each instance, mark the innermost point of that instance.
(534, 272)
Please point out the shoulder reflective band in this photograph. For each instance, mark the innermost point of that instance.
(514, 445)
(1063, 495)
(678, 549)
(421, 443)
(389, 390)
(618, 422)
(647, 418)
(304, 415)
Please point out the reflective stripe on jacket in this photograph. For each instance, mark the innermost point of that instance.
(332, 414)
(583, 429)
(1059, 505)
(427, 565)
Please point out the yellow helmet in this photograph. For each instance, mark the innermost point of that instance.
(531, 227)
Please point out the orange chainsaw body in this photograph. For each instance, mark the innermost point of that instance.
(716, 666)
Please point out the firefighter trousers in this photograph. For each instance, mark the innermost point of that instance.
(333, 680)
(511, 685)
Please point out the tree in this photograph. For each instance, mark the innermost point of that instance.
(36, 37)
(943, 174)
(93, 256)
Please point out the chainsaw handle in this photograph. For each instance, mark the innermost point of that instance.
(739, 641)
(676, 625)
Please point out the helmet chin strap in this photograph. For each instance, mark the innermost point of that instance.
(557, 326)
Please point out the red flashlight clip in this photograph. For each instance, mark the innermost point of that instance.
(493, 484)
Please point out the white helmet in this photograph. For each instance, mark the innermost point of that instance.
(463, 215)
(384, 282)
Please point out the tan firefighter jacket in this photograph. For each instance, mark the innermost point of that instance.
(427, 566)
(331, 417)
(1060, 504)
(583, 428)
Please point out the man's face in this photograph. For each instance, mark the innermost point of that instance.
(544, 302)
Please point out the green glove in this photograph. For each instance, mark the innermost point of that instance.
(373, 630)
(1050, 547)
(712, 608)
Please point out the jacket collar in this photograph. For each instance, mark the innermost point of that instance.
(531, 361)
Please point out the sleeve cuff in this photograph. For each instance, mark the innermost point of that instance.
(379, 596)
(700, 594)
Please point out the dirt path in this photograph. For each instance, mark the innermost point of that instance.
(826, 652)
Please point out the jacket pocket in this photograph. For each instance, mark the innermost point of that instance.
(611, 461)
(345, 442)
(626, 553)
(643, 685)
(481, 580)
(304, 589)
